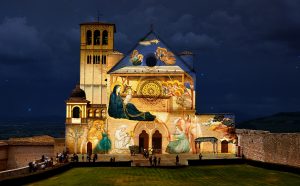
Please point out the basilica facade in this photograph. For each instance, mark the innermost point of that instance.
(142, 100)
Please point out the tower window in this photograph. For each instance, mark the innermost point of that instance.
(98, 59)
(96, 37)
(104, 37)
(104, 60)
(89, 59)
(89, 37)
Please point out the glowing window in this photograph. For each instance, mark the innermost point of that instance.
(97, 113)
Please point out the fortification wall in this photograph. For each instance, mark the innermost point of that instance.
(279, 148)
(3, 155)
(59, 145)
(18, 152)
(21, 155)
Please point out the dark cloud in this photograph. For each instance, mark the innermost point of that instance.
(19, 40)
(246, 52)
(192, 41)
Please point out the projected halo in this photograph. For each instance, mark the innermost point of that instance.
(116, 83)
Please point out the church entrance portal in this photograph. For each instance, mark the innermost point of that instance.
(224, 146)
(89, 148)
(143, 141)
(157, 142)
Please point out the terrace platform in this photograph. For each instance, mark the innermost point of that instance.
(166, 159)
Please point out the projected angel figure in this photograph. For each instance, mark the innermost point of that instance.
(124, 109)
(181, 142)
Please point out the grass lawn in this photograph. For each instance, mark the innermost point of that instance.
(200, 175)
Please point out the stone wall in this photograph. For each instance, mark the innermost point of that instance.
(279, 148)
(18, 152)
(3, 155)
(21, 155)
(59, 145)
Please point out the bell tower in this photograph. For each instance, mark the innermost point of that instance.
(96, 44)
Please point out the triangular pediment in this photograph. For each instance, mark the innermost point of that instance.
(150, 52)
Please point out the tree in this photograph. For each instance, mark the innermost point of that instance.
(75, 134)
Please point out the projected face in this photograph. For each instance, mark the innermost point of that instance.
(129, 92)
(118, 89)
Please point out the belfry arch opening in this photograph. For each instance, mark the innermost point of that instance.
(96, 37)
(105, 37)
(76, 112)
(89, 37)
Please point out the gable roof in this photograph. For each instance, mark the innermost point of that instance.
(151, 44)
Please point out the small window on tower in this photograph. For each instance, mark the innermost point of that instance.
(89, 37)
(94, 59)
(96, 37)
(104, 37)
(98, 61)
(104, 60)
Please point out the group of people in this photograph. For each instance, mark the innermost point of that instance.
(74, 158)
(62, 157)
(43, 163)
(146, 153)
(90, 157)
(112, 159)
(154, 161)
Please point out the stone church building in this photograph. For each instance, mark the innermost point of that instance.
(143, 100)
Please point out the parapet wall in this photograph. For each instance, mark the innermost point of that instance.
(20, 156)
(18, 152)
(279, 148)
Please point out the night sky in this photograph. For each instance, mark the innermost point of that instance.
(247, 51)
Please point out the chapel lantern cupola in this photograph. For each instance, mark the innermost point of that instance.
(76, 107)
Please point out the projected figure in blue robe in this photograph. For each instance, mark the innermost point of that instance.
(124, 109)
(104, 144)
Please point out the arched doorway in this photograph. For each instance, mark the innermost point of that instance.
(157, 142)
(89, 148)
(143, 141)
(224, 146)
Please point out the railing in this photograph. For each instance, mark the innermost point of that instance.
(14, 172)
(20, 171)
(76, 120)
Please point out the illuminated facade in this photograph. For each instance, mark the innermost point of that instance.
(145, 100)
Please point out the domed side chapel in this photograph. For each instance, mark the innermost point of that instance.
(143, 100)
